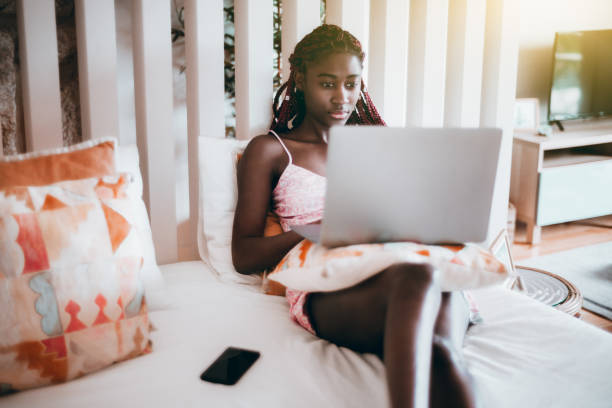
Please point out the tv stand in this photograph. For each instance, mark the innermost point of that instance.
(563, 177)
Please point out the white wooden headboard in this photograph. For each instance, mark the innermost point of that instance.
(429, 63)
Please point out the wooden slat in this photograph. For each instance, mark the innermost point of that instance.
(498, 94)
(39, 74)
(500, 63)
(466, 27)
(253, 51)
(427, 62)
(97, 59)
(387, 59)
(298, 18)
(153, 100)
(204, 38)
(353, 16)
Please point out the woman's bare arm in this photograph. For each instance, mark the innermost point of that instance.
(257, 171)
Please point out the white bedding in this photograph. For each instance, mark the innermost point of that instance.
(524, 355)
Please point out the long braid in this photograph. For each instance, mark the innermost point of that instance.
(322, 41)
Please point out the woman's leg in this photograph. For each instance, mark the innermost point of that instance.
(392, 314)
(451, 384)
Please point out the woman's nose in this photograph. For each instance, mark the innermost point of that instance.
(341, 96)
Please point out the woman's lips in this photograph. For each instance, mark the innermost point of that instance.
(339, 115)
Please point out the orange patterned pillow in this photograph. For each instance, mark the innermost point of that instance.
(272, 228)
(314, 268)
(71, 295)
(94, 158)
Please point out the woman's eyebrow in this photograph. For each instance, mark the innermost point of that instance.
(334, 76)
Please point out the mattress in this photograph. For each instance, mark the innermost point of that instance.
(524, 355)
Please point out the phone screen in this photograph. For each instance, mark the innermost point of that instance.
(230, 365)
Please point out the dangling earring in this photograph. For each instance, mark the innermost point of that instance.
(290, 123)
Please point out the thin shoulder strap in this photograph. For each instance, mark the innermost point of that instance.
(284, 147)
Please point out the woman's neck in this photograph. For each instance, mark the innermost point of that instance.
(312, 132)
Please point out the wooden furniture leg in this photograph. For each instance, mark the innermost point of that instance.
(534, 233)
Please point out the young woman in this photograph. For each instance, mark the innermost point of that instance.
(399, 314)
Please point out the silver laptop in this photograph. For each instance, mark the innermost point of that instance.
(428, 185)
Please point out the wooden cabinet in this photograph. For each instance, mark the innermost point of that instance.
(563, 177)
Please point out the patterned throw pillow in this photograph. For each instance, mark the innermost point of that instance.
(93, 158)
(71, 295)
(315, 268)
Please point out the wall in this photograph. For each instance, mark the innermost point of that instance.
(540, 19)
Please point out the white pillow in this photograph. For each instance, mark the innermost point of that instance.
(127, 161)
(217, 204)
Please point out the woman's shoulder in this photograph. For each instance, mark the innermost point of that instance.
(264, 148)
(263, 142)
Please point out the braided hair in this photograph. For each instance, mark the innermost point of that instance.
(321, 42)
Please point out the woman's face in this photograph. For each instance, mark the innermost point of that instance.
(331, 88)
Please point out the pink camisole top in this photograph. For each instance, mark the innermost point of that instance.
(299, 195)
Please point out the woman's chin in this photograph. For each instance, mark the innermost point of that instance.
(337, 121)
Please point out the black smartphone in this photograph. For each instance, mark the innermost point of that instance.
(230, 366)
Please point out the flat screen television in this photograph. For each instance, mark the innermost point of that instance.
(582, 76)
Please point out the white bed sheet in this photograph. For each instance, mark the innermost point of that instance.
(524, 355)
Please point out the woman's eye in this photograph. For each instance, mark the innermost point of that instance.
(327, 84)
(351, 85)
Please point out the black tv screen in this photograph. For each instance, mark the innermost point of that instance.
(582, 75)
